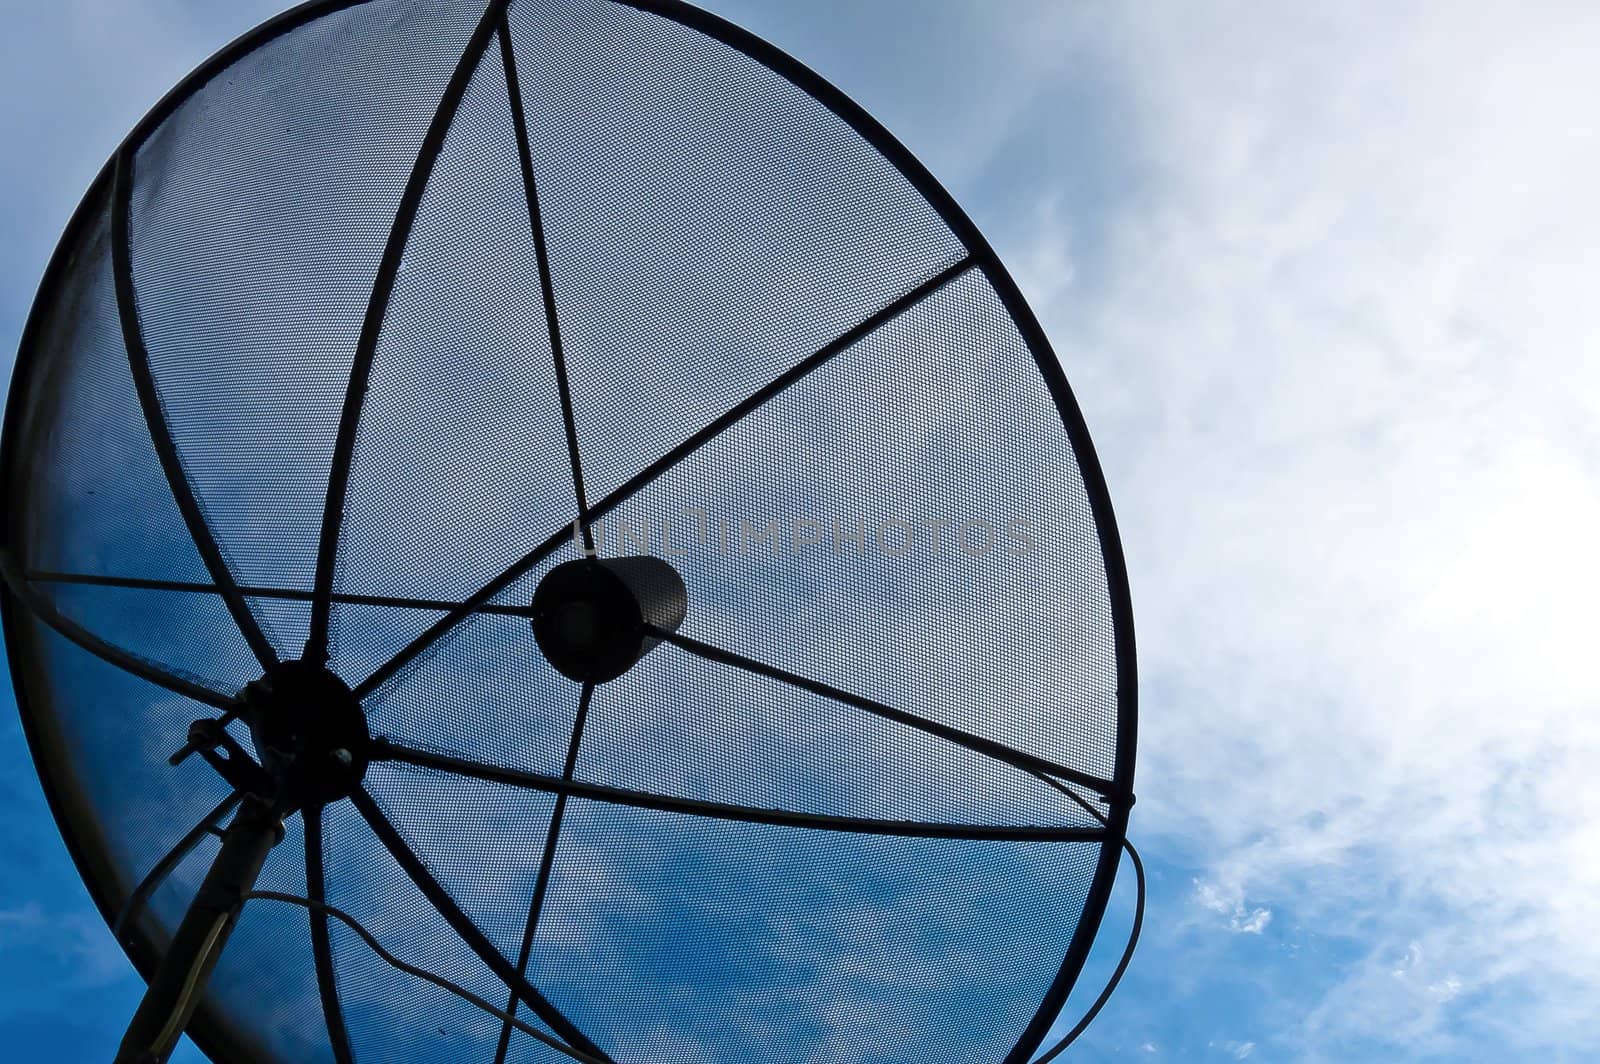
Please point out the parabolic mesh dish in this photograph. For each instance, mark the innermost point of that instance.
(811, 825)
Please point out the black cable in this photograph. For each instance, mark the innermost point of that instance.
(1116, 976)
(1133, 933)
(410, 969)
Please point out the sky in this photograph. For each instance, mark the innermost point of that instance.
(1321, 280)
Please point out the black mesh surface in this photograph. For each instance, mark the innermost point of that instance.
(315, 373)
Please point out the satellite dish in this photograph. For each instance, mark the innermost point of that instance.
(559, 495)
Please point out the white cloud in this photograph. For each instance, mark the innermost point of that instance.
(1045, 271)
(1251, 923)
(75, 941)
(1236, 1050)
(1230, 903)
(1339, 359)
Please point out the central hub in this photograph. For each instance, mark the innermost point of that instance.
(594, 617)
(309, 731)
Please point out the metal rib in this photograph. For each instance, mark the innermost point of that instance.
(999, 751)
(321, 949)
(251, 591)
(163, 868)
(372, 326)
(155, 418)
(546, 862)
(384, 749)
(541, 254)
(109, 652)
(463, 926)
(645, 476)
(1127, 952)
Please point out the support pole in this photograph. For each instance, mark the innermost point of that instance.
(180, 979)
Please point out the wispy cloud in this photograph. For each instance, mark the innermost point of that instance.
(1339, 358)
(75, 941)
(1230, 904)
(1045, 271)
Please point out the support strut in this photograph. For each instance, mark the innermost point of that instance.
(174, 991)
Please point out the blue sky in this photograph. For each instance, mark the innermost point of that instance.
(1322, 281)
